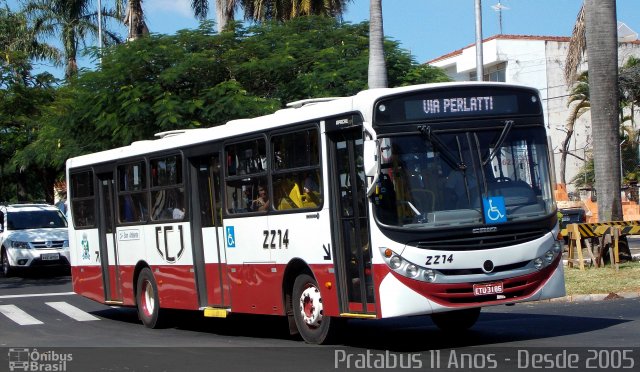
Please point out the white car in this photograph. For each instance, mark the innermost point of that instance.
(32, 235)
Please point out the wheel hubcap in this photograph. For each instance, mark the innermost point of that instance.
(311, 306)
(148, 298)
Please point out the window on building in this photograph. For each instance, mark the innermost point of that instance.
(492, 73)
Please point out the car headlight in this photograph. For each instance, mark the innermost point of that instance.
(65, 244)
(20, 245)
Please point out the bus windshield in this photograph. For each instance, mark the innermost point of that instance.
(439, 179)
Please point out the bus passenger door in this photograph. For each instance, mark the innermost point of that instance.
(208, 248)
(350, 225)
(108, 244)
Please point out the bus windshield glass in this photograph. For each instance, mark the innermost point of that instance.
(458, 178)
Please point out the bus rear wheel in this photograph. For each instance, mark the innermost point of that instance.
(148, 301)
(457, 320)
(308, 312)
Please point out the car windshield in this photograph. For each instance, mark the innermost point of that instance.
(434, 180)
(24, 220)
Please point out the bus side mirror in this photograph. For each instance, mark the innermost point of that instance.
(370, 158)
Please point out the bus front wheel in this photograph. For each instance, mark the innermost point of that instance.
(148, 301)
(457, 320)
(308, 312)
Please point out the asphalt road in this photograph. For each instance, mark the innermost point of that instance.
(101, 338)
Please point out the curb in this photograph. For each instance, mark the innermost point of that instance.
(595, 297)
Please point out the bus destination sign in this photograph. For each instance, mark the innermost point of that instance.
(459, 103)
(441, 107)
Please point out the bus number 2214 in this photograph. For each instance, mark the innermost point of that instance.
(282, 239)
(435, 260)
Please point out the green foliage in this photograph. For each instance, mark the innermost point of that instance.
(586, 177)
(199, 78)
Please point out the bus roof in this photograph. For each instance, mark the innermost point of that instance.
(299, 111)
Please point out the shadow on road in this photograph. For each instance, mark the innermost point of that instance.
(407, 334)
(42, 277)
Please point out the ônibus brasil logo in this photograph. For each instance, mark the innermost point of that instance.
(25, 359)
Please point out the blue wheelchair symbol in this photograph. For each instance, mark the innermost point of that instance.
(494, 210)
(231, 237)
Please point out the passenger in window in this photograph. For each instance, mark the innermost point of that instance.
(261, 203)
(310, 184)
(178, 213)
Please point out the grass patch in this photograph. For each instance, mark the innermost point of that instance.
(603, 280)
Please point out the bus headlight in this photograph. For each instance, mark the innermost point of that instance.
(549, 256)
(395, 262)
(537, 263)
(408, 269)
(429, 275)
(412, 270)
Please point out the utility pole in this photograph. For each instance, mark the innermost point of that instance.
(100, 29)
(479, 59)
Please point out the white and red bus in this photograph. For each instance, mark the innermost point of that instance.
(430, 199)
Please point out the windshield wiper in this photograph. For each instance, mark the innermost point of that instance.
(442, 148)
(503, 136)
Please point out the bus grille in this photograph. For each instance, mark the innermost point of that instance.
(480, 242)
(462, 294)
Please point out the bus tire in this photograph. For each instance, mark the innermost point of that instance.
(147, 299)
(313, 325)
(457, 320)
(7, 270)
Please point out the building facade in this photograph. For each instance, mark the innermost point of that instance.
(536, 61)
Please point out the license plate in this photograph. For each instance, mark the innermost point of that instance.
(50, 256)
(487, 289)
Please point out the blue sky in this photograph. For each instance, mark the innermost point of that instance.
(427, 28)
(431, 28)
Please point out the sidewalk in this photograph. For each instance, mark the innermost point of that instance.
(598, 296)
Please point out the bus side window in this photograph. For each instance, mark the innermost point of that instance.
(296, 164)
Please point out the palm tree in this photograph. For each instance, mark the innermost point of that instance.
(18, 44)
(72, 21)
(224, 11)
(377, 66)
(595, 32)
(577, 48)
(283, 10)
(262, 10)
(134, 19)
(579, 104)
(602, 52)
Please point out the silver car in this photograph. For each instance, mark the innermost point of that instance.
(32, 235)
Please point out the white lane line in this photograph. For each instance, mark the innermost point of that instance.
(14, 313)
(72, 311)
(39, 295)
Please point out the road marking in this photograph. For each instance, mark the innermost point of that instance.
(14, 313)
(72, 311)
(39, 295)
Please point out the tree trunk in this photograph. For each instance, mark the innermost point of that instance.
(222, 14)
(602, 54)
(563, 155)
(377, 66)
